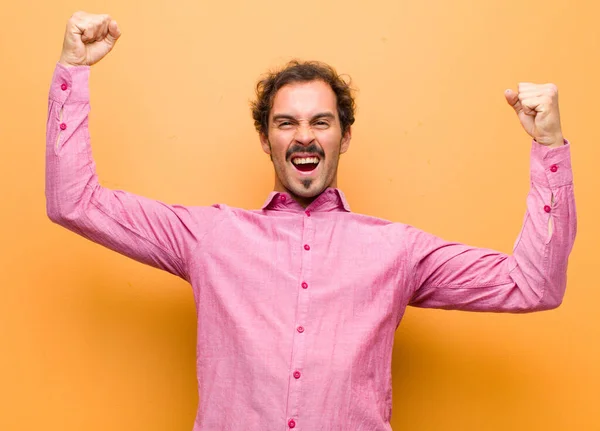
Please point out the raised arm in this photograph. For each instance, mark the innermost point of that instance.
(455, 276)
(151, 232)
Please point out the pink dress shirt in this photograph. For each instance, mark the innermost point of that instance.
(297, 308)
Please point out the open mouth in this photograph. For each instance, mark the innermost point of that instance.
(305, 164)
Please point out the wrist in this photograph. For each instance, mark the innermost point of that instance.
(557, 141)
(67, 63)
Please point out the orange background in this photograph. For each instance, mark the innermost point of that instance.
(93, 341)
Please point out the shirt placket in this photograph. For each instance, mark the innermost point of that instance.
(301, 330)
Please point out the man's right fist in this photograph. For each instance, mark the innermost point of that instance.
(88, 38)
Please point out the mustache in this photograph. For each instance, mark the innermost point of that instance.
(312, 148)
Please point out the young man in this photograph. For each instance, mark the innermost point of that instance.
(298, 302)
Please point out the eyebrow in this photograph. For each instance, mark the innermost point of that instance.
(279, 117)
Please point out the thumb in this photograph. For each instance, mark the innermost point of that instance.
(113, 32)
(513, 100)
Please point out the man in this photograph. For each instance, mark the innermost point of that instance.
(298, 302)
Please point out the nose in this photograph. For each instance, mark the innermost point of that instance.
(304, 135)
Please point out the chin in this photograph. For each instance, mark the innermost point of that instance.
(307, 193)
(313, 191)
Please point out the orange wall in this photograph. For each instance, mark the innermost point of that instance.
(93, 341)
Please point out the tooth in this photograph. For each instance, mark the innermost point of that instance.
(305, 160)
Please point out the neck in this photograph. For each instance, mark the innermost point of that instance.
(302, 200)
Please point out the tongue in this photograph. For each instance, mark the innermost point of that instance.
(306, 167)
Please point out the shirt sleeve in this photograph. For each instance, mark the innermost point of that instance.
(455, 276)
(149, 231)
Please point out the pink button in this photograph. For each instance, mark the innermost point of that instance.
(63, 126)
(292, 423)
(554, 168)
(307, 213)
(296, 374)
(282, 198)
(64, 87)
(547, 208)
(300, 329)
(304, 285)
(306, 246)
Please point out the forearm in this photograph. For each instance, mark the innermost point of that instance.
(70, 169)
(539, 261)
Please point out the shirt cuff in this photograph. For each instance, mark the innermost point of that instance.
(551, 167)
(70, 83)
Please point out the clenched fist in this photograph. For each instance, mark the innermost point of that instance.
(536, 106)
(88, 38)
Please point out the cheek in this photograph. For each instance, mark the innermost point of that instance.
(278, 156)
(279, 144)
(331, 148)
(329, 139)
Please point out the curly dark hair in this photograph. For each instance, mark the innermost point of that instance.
(302, 71)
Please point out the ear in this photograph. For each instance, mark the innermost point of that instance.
(346, 140)
(264, 142)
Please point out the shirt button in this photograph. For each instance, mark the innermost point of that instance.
(282, 198)
(291, 423)
(307, 213)
(554, 168)
(64, 86)
(306, 246)
(547, 208)
(300, 329)
(296, 374)
(63, 126)
(304, 285)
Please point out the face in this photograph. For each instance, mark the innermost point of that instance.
(305, 139)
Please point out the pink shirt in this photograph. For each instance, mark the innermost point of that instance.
(297, 308)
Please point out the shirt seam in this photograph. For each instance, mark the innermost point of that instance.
(402, 300)
(70, 101)
(413, 270)
(551, 186)
(545, 267)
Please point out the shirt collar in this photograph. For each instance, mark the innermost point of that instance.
(331, 199)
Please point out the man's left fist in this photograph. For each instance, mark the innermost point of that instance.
(536, 106)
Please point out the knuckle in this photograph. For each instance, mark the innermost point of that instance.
(96, 24)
